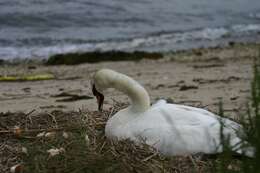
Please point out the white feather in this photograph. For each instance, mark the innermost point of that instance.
(170, 128)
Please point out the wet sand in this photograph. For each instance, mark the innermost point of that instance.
(197, 77)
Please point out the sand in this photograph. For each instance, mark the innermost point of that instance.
(199, 77)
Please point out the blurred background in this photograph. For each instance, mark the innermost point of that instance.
(40, 28)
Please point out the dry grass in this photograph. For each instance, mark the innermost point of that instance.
(97, 155)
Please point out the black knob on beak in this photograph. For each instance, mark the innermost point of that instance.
(99, 96)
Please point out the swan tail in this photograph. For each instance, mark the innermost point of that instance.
(247, 151)
(242, 147)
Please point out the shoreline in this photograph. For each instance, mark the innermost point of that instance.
(117, 55)
(198, 77)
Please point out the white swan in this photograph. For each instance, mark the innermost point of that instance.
(170, 128)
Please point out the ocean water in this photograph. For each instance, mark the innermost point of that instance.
(40, 28)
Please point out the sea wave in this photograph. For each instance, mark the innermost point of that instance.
(162, 39)
(254, 15)
(251, 28)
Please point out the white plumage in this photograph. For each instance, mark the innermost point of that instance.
(172, 129)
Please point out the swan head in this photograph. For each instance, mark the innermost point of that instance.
(106, 78)
(99, 83)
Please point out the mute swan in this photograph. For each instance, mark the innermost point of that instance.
(172, 129)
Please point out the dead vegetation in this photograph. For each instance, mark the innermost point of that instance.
(57, 142)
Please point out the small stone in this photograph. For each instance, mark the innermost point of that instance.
(55, 151)
(24, 150)
(49, 134)
(39, 135)
(17, 131)
(65, 135)
(87, 139)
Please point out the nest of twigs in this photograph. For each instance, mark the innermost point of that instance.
(24, 141)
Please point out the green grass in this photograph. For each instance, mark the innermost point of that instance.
(251, 123)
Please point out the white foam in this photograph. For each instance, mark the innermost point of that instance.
(141, 43)
(210, 33)
(246, 28)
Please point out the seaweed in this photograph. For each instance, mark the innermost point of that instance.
(26, 78)
(96, 56)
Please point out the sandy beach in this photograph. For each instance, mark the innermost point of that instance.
(65, 105)
(198, 77)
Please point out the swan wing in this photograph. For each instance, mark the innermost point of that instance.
(177, 129)
(174, 139)
(159, 103)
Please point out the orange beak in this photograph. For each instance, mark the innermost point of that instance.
(99, 96)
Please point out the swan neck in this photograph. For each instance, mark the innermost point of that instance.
(138, 95)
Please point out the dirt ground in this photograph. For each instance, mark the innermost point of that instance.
(198, 77)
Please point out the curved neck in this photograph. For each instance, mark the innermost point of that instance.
(138, 95)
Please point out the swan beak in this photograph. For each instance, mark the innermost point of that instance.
(99, 96)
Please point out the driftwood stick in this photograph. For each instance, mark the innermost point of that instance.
(36, 130)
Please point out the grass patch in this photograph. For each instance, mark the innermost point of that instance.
(94, 57)
(251, 124)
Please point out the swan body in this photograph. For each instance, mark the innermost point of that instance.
(172, 129)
